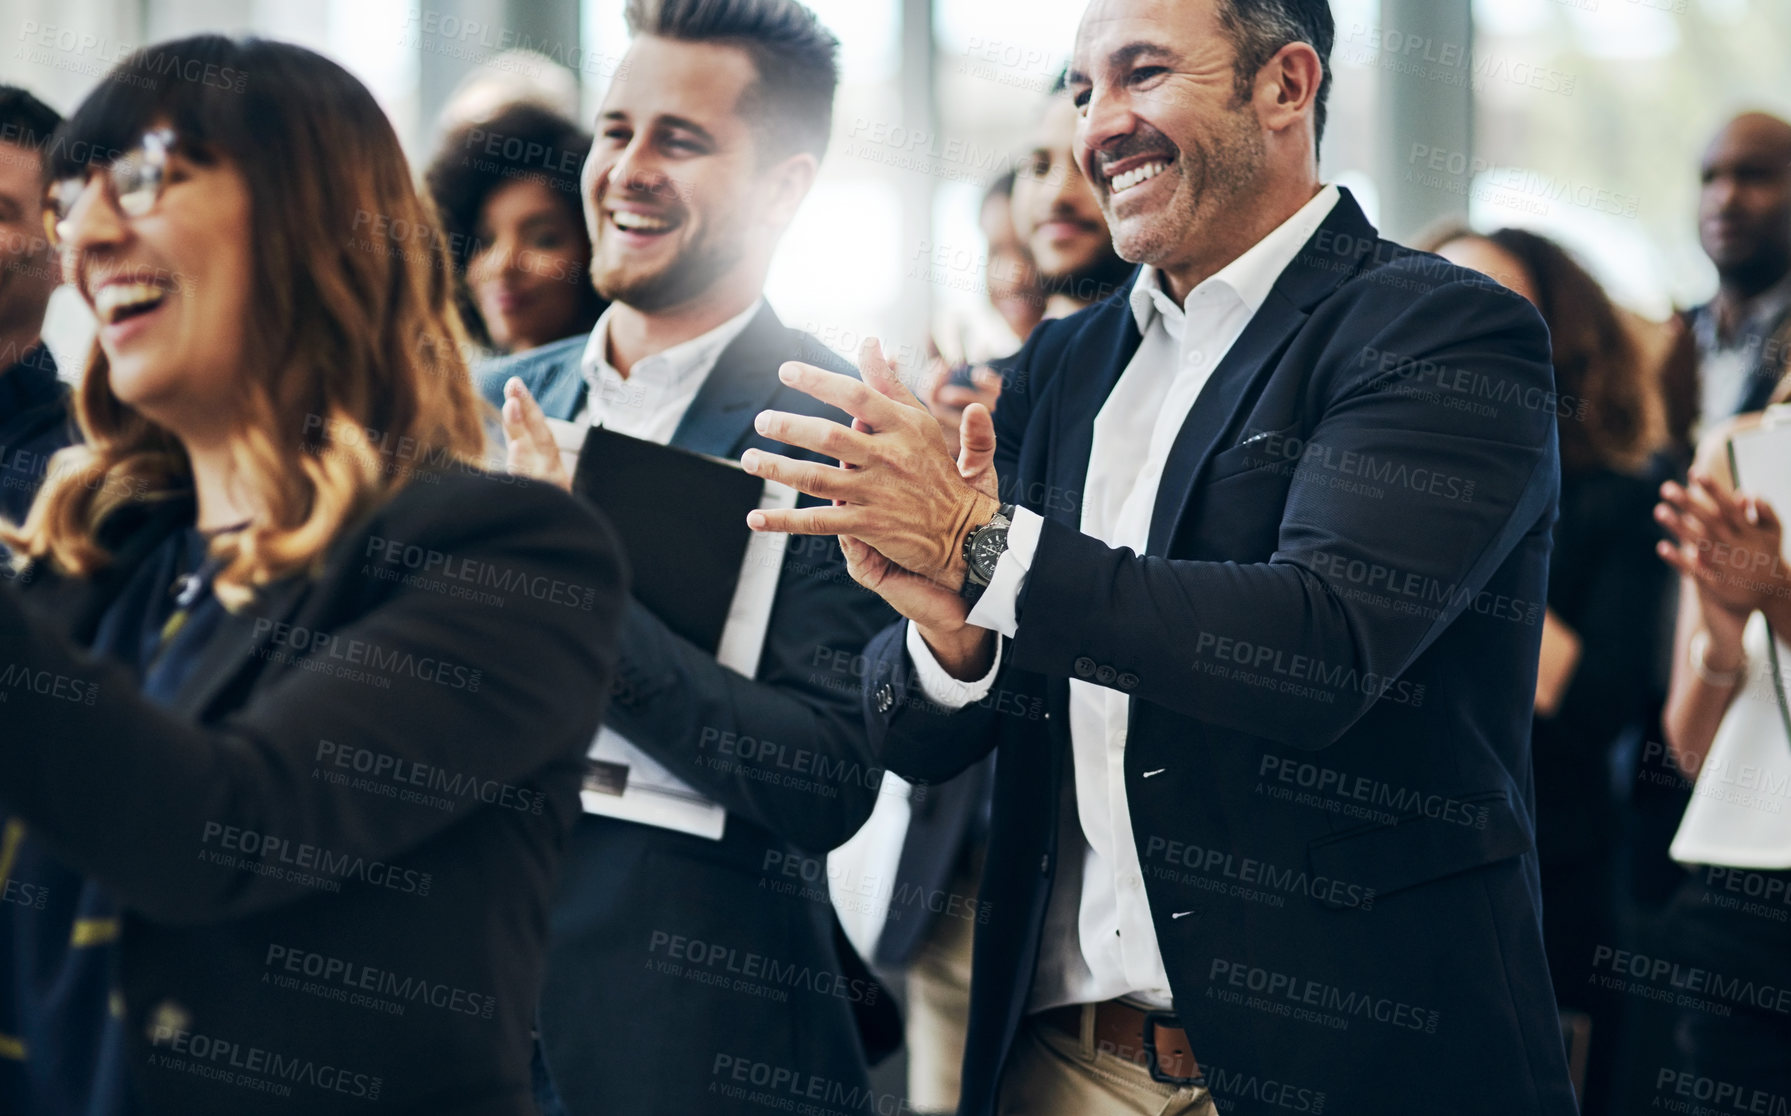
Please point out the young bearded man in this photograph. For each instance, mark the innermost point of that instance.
(683, 969)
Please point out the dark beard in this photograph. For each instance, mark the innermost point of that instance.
(682, 281)
(1216, 173)
(1093, 282)
(1758, 273)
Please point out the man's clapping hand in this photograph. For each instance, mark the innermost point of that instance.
(902, 505)
(919, 598)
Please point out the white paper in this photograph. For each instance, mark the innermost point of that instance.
(1763, 459)
(653, 795)
(749, 616)
(570, 437)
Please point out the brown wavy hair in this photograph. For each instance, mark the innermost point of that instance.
(353, 346)
(1618, 416)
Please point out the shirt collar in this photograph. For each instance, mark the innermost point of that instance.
(1760, 316)
(1251, 276)
(672, 368)
(1767, 309)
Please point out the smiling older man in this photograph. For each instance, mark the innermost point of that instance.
(1265, 537)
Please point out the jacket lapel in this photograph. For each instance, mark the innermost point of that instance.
(563, 386)
(743, 383)
(1333, 253)
(1115, 333)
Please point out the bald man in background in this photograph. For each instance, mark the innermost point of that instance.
(1744, 224)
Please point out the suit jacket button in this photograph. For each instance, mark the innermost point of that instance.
(1045, 864)
(1128, 681)
(1105, 675)
(166, 1019)
(1085, 667)
(885, 698)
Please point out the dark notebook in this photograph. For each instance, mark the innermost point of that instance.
(681, 517)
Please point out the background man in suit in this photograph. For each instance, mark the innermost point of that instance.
(1271, 834)
(684, 969)
(1059, 217)
(34, 413)
(1744, 224)
(1061, 231)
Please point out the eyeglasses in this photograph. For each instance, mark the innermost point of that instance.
(135, 181)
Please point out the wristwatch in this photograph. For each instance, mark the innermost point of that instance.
(983, 549)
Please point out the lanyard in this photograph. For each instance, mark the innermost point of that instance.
(193, 588)
(189, 591)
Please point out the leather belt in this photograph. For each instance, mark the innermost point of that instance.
(1153, 1039)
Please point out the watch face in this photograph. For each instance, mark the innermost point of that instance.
(986, 550)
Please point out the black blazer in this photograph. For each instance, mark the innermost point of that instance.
(1608, 585)
(1331, 653)
(679, 963)
(456, 646)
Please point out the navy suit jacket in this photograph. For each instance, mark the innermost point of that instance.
(1330, 645)
(678, 962)
(36, 420)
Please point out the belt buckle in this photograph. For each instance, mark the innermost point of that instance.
(1167, 1019)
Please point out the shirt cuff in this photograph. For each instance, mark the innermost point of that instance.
(998, 608)
(941, 688)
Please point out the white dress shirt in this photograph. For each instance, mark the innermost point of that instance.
(650, 403)
(1113, 951)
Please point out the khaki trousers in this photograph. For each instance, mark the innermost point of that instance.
(939, 1007)
(1051, 1074)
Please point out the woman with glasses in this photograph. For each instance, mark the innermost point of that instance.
(295, 696)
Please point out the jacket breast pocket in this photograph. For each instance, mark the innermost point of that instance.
(1448, 835)
(1270, 451)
